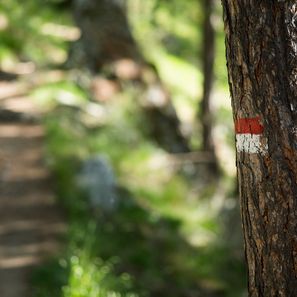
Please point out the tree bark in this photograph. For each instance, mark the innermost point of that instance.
(261, 43)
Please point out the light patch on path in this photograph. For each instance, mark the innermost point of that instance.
(31, 224)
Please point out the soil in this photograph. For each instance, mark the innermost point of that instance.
(31, 223)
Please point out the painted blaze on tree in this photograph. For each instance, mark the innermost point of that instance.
(261, 44)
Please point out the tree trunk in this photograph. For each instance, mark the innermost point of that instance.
(208, 58)
(261, 42)
(106, 35)
(107, 43)
(208, 65)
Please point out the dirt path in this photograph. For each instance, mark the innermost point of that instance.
(31, 224)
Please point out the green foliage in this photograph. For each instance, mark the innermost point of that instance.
(174, 31)
(25, 36)
(164, 239)
(63, 92)
(173, 24)
(159, 240)
(89, 278)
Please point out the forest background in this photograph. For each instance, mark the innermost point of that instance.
(163, 220)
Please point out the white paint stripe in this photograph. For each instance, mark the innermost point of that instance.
(250, 143)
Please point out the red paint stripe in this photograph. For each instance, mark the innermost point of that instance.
(249, 125)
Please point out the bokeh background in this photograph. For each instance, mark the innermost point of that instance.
(133, 98)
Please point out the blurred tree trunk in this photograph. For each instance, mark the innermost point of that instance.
(206, 113)
(106, 35)
(106, 39)
(261, 41)
(208, 57)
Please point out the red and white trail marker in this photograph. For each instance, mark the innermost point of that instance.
(249, 136)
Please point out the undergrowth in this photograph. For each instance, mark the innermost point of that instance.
(163, 239)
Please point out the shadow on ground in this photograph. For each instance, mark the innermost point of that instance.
(31, 225)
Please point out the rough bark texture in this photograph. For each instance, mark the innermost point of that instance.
(261, 41)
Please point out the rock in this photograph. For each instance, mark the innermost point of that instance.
(98, 181)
